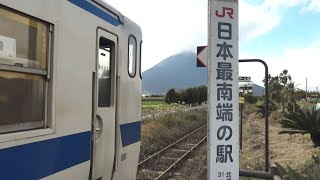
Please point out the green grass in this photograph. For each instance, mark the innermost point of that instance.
(154, 105)
(149, 104)
(168, 128)
(152, 99)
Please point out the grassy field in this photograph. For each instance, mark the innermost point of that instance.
(152, 104)
(166, 129)
(294, 150)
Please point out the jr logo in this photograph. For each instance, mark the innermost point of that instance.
(225, 10)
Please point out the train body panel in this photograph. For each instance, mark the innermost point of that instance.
(89, 91)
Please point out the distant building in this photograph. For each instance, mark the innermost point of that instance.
(245, 85)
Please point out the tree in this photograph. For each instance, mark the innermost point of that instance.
(251, 99)
(290, 90)
(284, 77)
(203, 91)
(171, 96)
(195, 95)
(282, 89)
(275, 89)
(285, 80)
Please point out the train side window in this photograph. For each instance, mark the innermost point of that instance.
(24, 74)
(23, 40)
(106, 54)
(132, 56)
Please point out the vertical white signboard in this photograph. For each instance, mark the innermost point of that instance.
(223, 90)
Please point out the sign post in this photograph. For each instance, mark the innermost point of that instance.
(223, 91)
(202, 57)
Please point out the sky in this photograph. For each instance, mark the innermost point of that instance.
(284, 33)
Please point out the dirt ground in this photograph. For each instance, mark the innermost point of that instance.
(293, 150)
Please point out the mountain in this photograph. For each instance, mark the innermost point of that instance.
(179, 72)
(257, 90)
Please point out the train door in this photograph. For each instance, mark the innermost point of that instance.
(104, 109)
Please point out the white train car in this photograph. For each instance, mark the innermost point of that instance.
(70, 87)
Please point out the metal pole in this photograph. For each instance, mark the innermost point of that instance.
(241, 108)
(266, 104)
(306, 88)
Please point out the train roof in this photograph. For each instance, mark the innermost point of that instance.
(111, 9)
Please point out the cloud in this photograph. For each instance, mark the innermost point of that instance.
(168, 27)
(314, 6)
(259, 19)
(256, 20)
(173, 26)
(301, 63)
(280, 4)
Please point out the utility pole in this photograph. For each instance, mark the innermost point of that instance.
(306, 88)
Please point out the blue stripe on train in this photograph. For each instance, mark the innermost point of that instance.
(96, 11)
(44, 158)
(130, 133)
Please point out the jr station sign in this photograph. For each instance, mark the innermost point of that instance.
(223, 90)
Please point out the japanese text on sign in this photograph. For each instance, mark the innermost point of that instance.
(223, 90)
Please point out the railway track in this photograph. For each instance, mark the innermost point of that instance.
(162, 164)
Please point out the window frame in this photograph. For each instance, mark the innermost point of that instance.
(140, 60)
(49, 45)
(132, 75)
(111, 63)
(47, 123)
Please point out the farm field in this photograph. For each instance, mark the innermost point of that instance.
(152, 107)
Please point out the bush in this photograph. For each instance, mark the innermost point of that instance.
(261, 108)
(304, 121)
(293, 107)
(290, 174)
(195, 95)
(251, 99)
(171, 96)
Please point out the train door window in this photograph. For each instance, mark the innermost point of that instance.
(106, 54)
(140, 71)
(132, 56)
(24, 72)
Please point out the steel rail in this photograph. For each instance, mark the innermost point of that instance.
(181, 158)
(157, 153)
